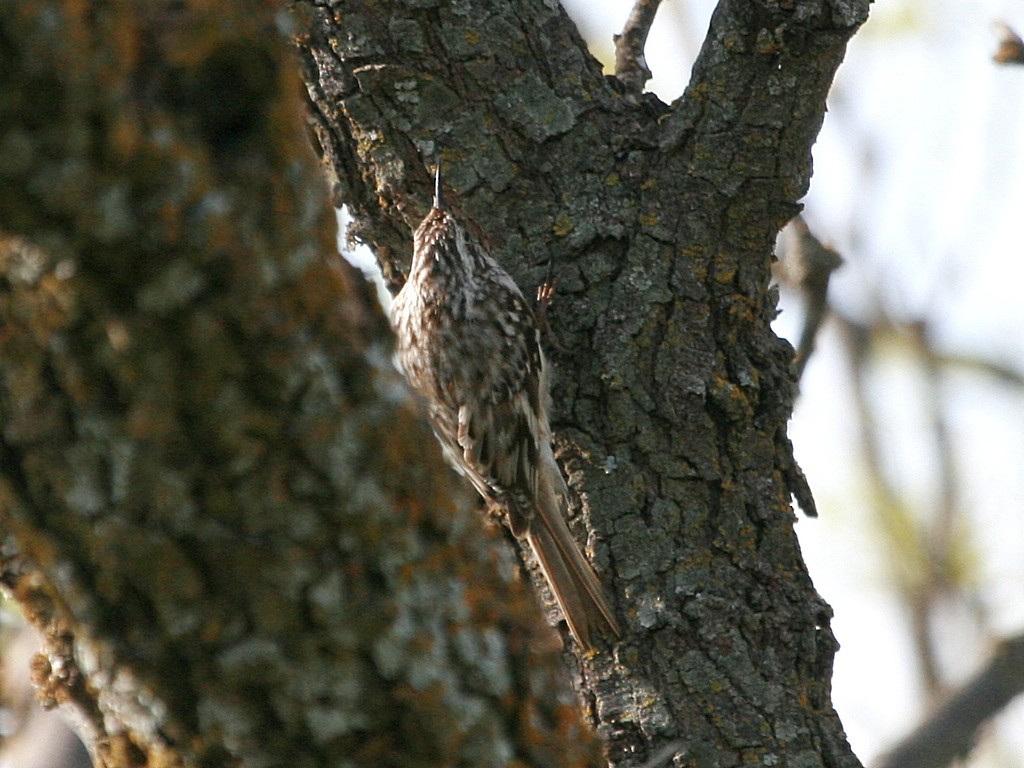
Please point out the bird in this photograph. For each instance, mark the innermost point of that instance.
(469, 344)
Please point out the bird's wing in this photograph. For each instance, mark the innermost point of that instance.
(500, 453)
(500, 428)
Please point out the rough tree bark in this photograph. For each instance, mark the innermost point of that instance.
(218, 501)
(673, 394)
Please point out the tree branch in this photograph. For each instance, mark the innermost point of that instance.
(249, 545)
(201, 390)
(950, 732)
(672, 395)
(808, 266)
(630, 65)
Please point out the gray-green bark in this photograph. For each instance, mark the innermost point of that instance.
(218, 501)
(672, 392)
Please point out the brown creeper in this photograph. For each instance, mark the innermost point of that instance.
(470, 345)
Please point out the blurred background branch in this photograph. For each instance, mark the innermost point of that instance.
(630, 64)
(912, 411)
(950, 732)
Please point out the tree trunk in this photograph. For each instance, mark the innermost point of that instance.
(219, 501)
(672, 392)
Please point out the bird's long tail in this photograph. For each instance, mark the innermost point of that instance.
(572, 580)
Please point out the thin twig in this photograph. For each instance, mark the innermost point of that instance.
(950, 732)
(945, 536)
(809, 265)
(1004, 374)
(630, 65)
(545, 295)
(905, 536)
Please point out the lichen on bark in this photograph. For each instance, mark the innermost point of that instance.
(672, 393)
(248, 547)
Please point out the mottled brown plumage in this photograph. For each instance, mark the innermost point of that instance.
(469, 344)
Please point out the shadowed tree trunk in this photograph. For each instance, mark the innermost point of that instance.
(220, 504)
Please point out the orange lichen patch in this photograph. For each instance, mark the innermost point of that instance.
(563, 225)
(725, 276)
(531, 724)
(549, 730)
(148, 420)
(744, 310)
(320, 287)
